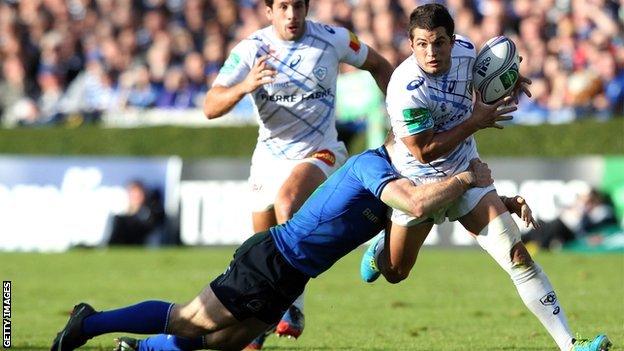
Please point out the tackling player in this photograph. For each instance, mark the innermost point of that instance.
(290, 70)
(432, 114)
(271, 268)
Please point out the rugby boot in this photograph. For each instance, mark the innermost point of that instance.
(599, 343)
(368, 266)
(292, 323)
(126, 344)
(71, 337)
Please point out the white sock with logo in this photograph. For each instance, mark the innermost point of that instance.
(539, 296)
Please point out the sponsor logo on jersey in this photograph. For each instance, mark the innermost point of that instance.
(326, 156)
(263, 95)
(230, 64)
(417, 119)
(464, 43)
(320, 72)
(549, 299)
(354, 42)
(415, 83)
(329, 29)
(295, 61)
(370, 215)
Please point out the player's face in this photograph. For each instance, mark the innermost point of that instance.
(288, 18)
(432, 49)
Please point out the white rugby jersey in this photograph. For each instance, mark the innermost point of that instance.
(296, 111)
(418, 101)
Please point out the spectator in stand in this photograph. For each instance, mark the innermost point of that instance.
(175, 92)
(197, 83)
(583, 37)
(591, 213)
(145, 217)
(12, 89)
(137, 90)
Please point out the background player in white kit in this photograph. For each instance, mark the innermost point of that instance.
(430, 104)
(290, 70)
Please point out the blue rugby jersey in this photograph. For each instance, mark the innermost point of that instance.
(343, 213)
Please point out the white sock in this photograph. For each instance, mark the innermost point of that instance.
(299, 302)
(539, 296)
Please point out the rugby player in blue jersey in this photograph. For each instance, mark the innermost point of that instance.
(271, 269)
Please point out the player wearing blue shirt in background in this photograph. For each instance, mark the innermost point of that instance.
(271, 269)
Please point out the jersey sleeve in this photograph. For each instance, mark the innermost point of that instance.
(374, 171)
(237, 65)
(407, 106)
(349, 47)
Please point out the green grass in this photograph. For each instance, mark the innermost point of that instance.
(454, 299)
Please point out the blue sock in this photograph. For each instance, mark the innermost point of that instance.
(170, 343)
(149, 317)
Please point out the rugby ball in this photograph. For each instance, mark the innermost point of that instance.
(495, 72)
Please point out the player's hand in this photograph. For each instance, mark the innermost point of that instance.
(478, 175)
(261, 73)
(519, 206)
(488, 116)
(522, 86)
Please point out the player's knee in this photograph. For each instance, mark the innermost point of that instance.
(520, 255)
(501, 239)
(187, 321)
(285, 206)
(396, 275)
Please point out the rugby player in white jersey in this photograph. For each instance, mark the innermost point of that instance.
(430, 102)
(290, 70)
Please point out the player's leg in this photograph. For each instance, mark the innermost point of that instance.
(202, 315)
(499, 235)
(263, 187)
(394, 252)
(401, 250)
(304, 177)
(302, 181)
(300, 184)
(263, 220)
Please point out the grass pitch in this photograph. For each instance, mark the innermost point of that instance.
(453, 300)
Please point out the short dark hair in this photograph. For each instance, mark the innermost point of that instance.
(431, 16)
(269, 3)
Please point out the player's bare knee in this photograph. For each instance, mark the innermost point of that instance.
(396, 275)
(520, 255)
(285, 206)
(188, 321)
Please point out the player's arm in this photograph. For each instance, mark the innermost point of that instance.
(423, 200)
(221, 99)
(427, 145)
(379, 68)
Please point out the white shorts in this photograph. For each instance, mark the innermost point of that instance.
(453, 211)
(268, 174)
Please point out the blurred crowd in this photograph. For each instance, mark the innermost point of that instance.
(66, 61)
